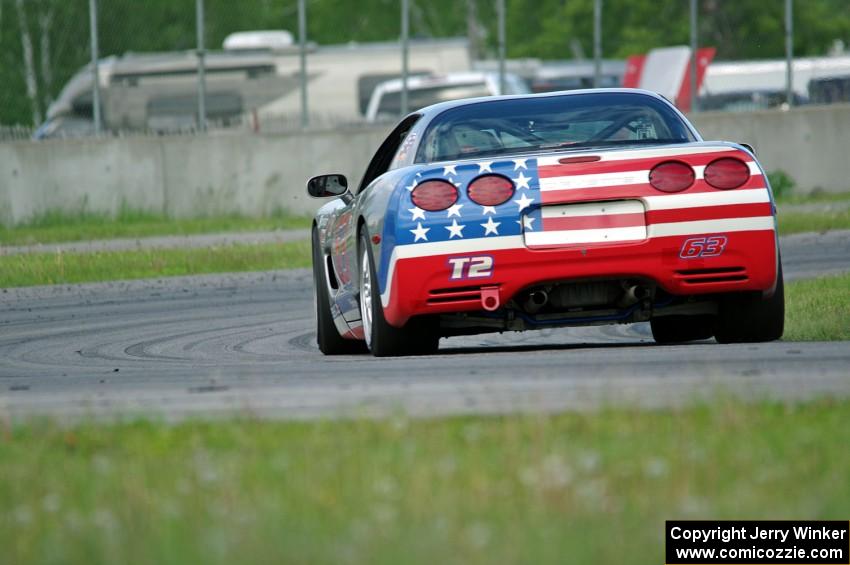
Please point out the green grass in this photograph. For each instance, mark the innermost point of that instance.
(61, 227)
(817, 197)
(791, 221)
(578, 488)
(64, 268)
(798, 222)
(818, 310)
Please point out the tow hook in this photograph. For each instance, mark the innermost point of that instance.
(490, 298)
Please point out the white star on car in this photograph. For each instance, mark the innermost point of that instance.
(524, 202)
(488, 210)
(520, 164)
(522, 180)
(526, 222)
(449, 170)
(418, 213)
(491, 227)
(411, 186)
(455, 210)
(485, 167)
(455, 229)
(420, 232)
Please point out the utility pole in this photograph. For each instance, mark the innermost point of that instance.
(405, 45)
(597, 43)
(202, 77)
(500, 9)
(95, 91)
(472, 28)
(302, 61)
(789, 52)
(693, 65)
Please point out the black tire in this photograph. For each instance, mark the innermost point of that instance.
(327, 336)
(751, 318)
(418, 337)
(681, 329)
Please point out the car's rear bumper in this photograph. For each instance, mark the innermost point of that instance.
(422, 280)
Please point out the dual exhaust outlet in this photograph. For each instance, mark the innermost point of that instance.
(537, 299)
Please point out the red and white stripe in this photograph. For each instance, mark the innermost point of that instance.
(644, 212)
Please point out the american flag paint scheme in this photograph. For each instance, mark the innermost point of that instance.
(589, 233)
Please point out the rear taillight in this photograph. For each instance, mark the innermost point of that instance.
(671, 176)
(726, 173)
(490, 190)
(434, 195)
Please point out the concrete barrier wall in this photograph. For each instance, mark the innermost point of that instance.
(232, 172)
(811, 144)
(238, 172)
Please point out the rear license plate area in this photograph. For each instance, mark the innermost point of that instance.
(586, 223)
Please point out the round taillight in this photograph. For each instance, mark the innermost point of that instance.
(727, 173)
(434, 195)
(671, 176)
(490, 190)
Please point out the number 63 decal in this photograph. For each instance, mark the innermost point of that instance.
(703, 247)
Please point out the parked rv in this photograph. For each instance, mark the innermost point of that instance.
(256, 78)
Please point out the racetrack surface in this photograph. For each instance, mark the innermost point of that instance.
(224, 344)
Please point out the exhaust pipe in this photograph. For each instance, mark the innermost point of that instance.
(536, 300)
(633, 295)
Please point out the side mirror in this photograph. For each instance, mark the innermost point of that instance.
(327, 185)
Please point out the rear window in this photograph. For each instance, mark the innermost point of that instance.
(504, 127)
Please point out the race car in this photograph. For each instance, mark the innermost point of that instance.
(560, 209)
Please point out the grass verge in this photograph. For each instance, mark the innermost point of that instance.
(64, 268)
(818, 309)
(62, 227)
(798, 222)
(583, 488)
(818, 197)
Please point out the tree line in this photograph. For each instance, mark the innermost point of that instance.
(44, 42)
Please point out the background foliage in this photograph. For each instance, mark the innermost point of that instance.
(50, 37)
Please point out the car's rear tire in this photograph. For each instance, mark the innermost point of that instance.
(327, 336)
(681, 329)
(751, 318)
(419, 335)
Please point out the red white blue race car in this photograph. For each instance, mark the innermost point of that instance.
(566, 209)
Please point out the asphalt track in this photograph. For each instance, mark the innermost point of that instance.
(223, 344)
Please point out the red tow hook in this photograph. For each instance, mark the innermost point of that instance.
(490, 298)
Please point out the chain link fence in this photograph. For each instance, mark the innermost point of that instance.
(148, 65)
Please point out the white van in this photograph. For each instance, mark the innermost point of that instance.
(385, 103)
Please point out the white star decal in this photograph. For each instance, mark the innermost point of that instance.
(491, 227)
(485, 167)
(522, 180)
(457, 184)
(455, 210)
(520, 164)
(488, 210)
(420, 232)
(523, 202)
(526, 222)
(411, 186)
(455, 229)
(418, 213)
(449, 170)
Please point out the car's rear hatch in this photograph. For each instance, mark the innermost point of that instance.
(608, 196)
